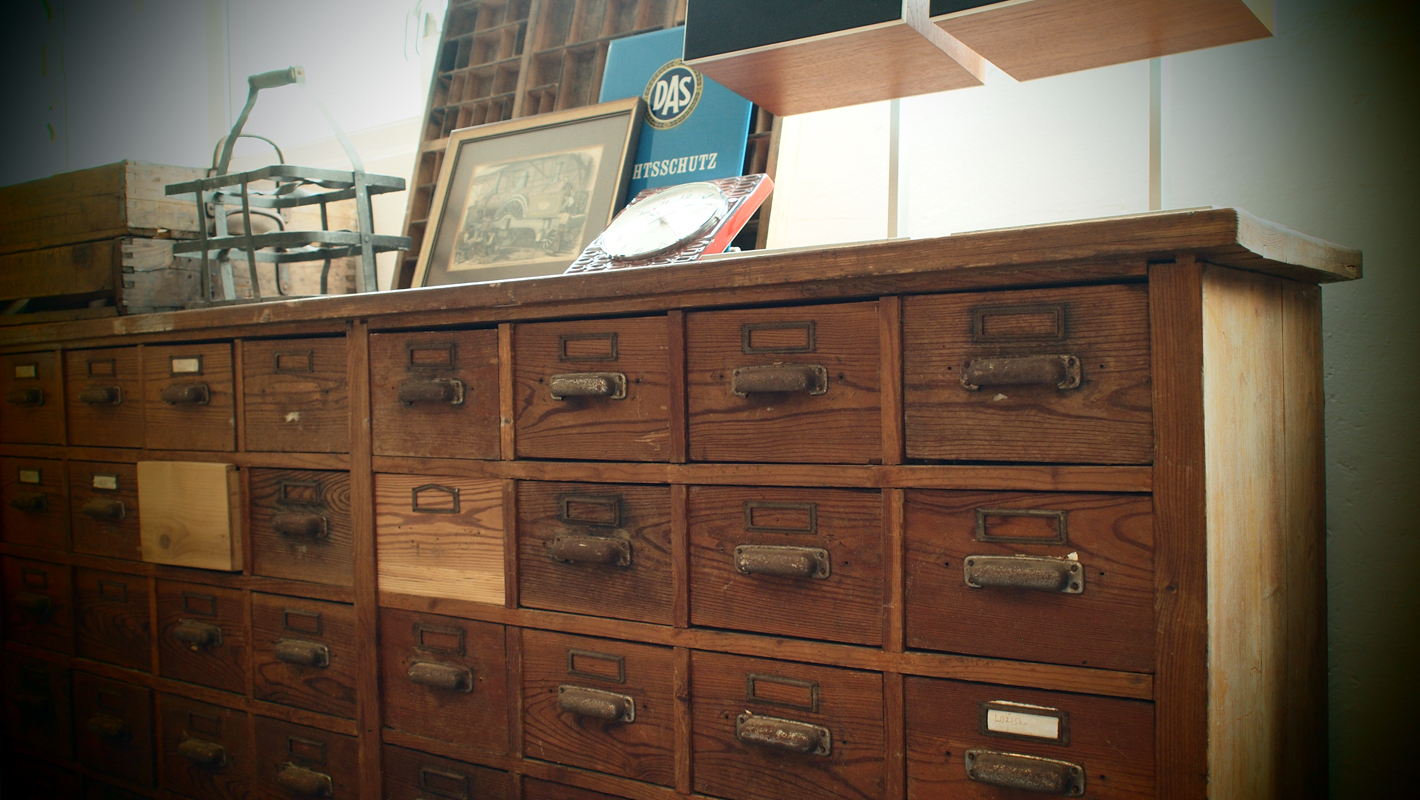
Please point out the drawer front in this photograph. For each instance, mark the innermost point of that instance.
(1036, 577)
(763, 730)
(113, 727)
(111, 618)
(103, 390)
(805, 563)
(975, 740)
(36, 503)
(192, 514)
(435, 394)
(444, 678)
(300, 526)
(534, 789)
(797, 385)
(187, 401)
(599, 704)
(593, 389)
(39, 604)
(103, 503)
(294, 762)
(295, 397)
(440, 536)
(1050, 375)
(202, 635)
(412, 775)
(33, 395)
(600, 549)
(38, 704)
(303, 653)
(206, 749)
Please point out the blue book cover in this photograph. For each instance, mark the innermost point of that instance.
(694, 130)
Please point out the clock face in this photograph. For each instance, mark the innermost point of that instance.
(664, 221)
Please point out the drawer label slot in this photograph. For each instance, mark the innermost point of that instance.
(443, 783)
(773, 690)
(105, 482)
(290, 361)
(1029, 323)
(301, 621)
(431, 498)
(589, 509)
(597, 666)
(1024, 721)
(778, 337)
(113, 590)
(27, 371)
(185, 365)
(30, 476)
(437, 639)
(766, 517)
(431, 356)
(102, 367)
(1022, 526)
(575, 347)
(308, 750)
(204, 723)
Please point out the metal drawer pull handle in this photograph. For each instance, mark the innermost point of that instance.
(305, 781)
(1041, 573)
(1061, 371)
(33, 396)
(39, 606)
(784, 562)
(596, 704)
(302, 526)
(197, 635)
(611, 385)
(29, 502)
(208, 754)
(439, 390)
(103, 508)
(441, 676)
(196, 394)
(779, 379)
(1025, 773)
(109, 727)
(606, 550)
(783, 734)
(101, 396)
(303, 653)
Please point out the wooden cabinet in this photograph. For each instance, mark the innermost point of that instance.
(103, 504)
(111, 618)
(33, 390)
(113, 728)
(300, 525)
(36, 506)
(188, 401)
(295, 395)
(303, 653)
(103, 390)
(202, 635)
(206, 749)
(39, 603)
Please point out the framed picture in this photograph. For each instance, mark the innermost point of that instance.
(526, 196)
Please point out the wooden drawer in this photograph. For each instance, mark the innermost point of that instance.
(534, 789)
(202, 635)
(967, 739)
(111, 618)
(103, 503)
(593, 389)
(300, 526)
(36, 503)
(764, 730)
(294, 395)
(798, 385)
(294, 762)
(412, 775)
(601, 549)
(303, 653)
(444, 678)
(206, 749)
(192, 514)
(806, 563)
(103, 390)
(1067, 579)
(34, 405)
(187, 397)
(440, 536)
(113, 727)
(600, 704)
(435, 394)
(1049, 375)
(39, 604)
(38, 704)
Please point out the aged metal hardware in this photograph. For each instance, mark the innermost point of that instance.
(30, 502)
(32, 396)
(302, 653)
(1025, 773)
(301, 526)
(779, 379)
(606, 550)
(436, 390)
(197, 635)
(595, 703)
(1023, 721)
(101, 396)
(590, 509)
(748, 329)
(808, 510)
(1061, 518)
(185, 365)
(105, 508)
(611, 385)
(304, 781)
(783, 734)
(783, 561)
(413, 363)
(589, 659)
(1041, 573)
(196, 394)
(565, 354)
(199, 751)
(109, 727)
(1049, 322)
(441, 676)
(450, 492)
(786, 692)
(309, 364)
(39, 606)
(1061, 371)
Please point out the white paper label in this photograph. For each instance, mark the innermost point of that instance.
(29, 476)
(25, 371)
(1021, 723)
(109, 482)
(187, 366)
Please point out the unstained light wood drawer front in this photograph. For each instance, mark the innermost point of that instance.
(103, 390)
(600, 704)
(188, 402)
(1062, 578)
(976, 740)
(206, 749)
(1042, 375)
(796, 385)
(440, 536)
(435, 394)
(36, 503)
(806, 563)
(111, 618)
(303, 653)
(202, 635)
(412, 775)
(602, 549)
(32, 392)
(39, 604)
(38, 705)
(103, 504)
(294, 762)
(592, 389)
(300, 525)
(113, 727)
(294, 395)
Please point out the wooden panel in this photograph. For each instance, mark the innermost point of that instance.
(200, 412)
(111, 618)
(103, 504)
(412, 775)
(556, 520)
(440, 536)
(534, 789)
(843, 605)
(465, 426)
(113, 728)
(76, 269)
(36, 504)
(300, 525)
(189, 649)
(294, 395)
(37, 705)
(103, 391)
(191, 514)
(303, 653)
(289, 755)
(34, 398)
(39, 604)
(186, 771)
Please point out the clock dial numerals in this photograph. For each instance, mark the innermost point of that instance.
(664, 221)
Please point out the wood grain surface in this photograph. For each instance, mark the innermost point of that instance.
(104, 424)
(35, 510)
(111, 618)
(327, 558)
(467, 430)
(192, 514)
(189, 426)
(328, 689)
(294, 395)
(39, 604)
(182, 718)
(127, 755)
(434, 549)
(221, 666)
(97, 534)
(412, 775)
(38, 419)
(281, 745)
